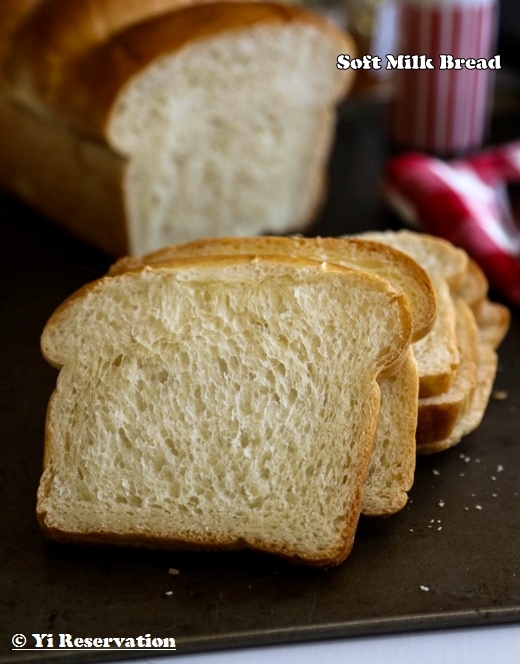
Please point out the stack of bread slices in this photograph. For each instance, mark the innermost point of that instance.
(457, 360)
(261, 392)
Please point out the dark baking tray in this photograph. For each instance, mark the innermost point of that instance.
(450, 558)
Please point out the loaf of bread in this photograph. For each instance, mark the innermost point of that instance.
(218, 403)
(159, 122)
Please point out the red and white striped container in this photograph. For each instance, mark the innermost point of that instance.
(444, 111)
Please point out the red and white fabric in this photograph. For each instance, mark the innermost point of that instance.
(466, 202)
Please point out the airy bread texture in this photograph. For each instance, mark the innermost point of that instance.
(218, 403)
(392, 465)
(210, 119)
(403, 273)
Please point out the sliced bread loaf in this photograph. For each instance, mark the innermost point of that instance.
(218, 403)
(211, 119)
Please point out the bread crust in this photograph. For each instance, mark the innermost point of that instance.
(48, 35)
(439, 414)
(74, 182)
(76, 94)
(143, 540)
(13, 13)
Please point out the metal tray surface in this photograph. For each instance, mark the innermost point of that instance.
(450, 558)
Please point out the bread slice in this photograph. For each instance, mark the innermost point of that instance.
(392, 465)
(218, 403)
(438, 257)
(215, 119)
(493, 320)
(438, 415)
(437, 354)
(474, 290)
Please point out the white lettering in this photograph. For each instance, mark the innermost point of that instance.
(391, 62)
(66, 641)
(345, 61)
(409, 62)
(39, 640)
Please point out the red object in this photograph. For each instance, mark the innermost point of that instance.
(465, 202)
(444, 109)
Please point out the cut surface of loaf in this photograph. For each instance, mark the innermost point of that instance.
(218, 403)
(221, 116)
(437, 354)
(392, 465)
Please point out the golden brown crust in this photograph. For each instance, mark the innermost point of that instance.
(74, 182)
(48, 35)
(12, 15)
(80, 97)
(493, 320)
(438, 415)
(475, 287)
(165, 543)
(222, 260)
